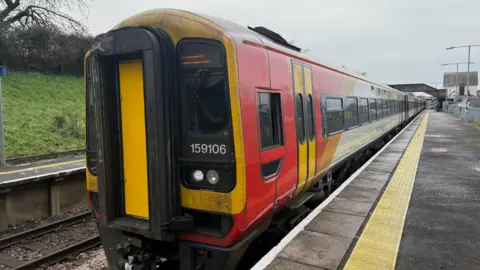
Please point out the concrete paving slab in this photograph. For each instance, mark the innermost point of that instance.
(382, 167)
(400, 144)
(367, 183)
(386, 160)
(316, 249)
(387, 155)
(361, 194)
(377, 176)
(336, 224)
(346, 206)
(280, 264)
(395, 150)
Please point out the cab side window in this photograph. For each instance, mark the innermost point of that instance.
(270, 120)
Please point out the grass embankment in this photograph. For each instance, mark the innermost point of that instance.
(42, 113)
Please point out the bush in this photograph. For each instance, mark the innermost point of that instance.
(44, 50)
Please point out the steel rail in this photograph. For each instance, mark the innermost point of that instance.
(62, 254)
(16, 238)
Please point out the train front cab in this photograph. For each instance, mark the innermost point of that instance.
(161, 189)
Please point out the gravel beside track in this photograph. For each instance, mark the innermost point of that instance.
(92, 259)
(51, 246)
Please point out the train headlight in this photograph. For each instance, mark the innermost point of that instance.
(212, 177)
(197, 176)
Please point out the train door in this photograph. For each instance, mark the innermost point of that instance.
(133, 138)
(310, 116)
(405, 107)
(137, 186)
(303, 91)
(400, 111)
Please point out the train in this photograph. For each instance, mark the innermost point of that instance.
(202, 134)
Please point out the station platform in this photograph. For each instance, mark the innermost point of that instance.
(36, 171)
(414, 205)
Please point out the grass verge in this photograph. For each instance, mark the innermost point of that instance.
(42, 113)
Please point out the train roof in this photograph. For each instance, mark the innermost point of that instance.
(260, 35)
(272, 40)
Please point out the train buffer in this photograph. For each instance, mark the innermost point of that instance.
(414, 205)
(37, 171)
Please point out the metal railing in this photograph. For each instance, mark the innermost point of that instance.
(473, 113)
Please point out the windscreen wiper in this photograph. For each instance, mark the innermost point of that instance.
(196, 86)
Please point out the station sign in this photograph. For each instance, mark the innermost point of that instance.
(458, 79)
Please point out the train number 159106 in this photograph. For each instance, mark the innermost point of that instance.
(203, 148)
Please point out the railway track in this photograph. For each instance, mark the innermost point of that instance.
(49, 244)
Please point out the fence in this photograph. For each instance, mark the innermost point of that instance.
(459, 111)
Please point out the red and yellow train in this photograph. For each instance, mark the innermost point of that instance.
(200, 132)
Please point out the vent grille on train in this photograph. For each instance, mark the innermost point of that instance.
(275, 37)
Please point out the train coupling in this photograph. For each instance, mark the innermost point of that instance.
(133, 258)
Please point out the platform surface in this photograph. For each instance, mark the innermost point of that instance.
(442, 228)
(34, 171)
(416, 206)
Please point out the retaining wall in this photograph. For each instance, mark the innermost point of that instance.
(37, 199)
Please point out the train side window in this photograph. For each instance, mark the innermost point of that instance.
(363, 113)
(352, 112)
(311, 117)
(334, 115)
(379, 109)
(270, 117)
(300, 119)
(373, 109)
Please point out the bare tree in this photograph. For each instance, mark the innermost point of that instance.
(53, 14)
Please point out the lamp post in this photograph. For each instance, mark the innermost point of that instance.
(3, 72)
(468, 75)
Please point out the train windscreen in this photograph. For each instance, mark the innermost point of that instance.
(205, 104)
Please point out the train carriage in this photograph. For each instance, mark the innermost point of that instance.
(200, 132)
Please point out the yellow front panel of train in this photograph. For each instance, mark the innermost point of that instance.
(302, 146)
(134, 138)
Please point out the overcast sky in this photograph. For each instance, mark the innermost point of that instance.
(401, 41)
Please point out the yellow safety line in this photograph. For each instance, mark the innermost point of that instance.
(43, 166)
(377, 247)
